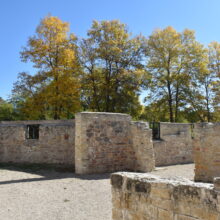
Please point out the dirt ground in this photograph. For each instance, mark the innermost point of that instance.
(177, 171)
(48, 194)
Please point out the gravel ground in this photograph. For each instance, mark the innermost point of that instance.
(52, 195)
(46, 194)
(177, 171)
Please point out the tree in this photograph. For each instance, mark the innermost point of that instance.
(214, 69)
(54, 90)
(111, 61)
(155, 112)
(172, 60)
(27, 98)
(6, 111)
(202, 94)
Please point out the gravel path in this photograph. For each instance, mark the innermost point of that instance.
(51, 195)
(42, 194)
(177, 171)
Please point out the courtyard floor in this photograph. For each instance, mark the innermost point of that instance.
(31, 193)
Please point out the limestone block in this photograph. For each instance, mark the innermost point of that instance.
(206, 145)
(108, 142)
(163, 199)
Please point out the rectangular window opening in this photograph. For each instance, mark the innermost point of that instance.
(32, 132)
(155, 126)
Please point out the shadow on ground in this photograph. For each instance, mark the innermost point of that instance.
(48, 172)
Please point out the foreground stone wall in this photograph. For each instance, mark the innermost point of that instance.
(107, 142)
(175, 146)
(145, 197)
(54, 146)
(206, 151)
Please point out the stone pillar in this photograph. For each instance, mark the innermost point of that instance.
(142, 145)
(102, 142)
(206, 151)
(109, 142)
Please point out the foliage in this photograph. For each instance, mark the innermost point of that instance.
(54, 91)
(111, 60)
(173, 59)
(6, 111)
(108, 70)
(214, 69)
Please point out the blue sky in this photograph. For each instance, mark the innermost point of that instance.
(19, 19)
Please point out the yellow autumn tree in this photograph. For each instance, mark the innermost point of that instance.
(54, 91)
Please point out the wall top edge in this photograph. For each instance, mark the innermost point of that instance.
(149, 178)
(41, 122)
(102, 113)
(174, 123)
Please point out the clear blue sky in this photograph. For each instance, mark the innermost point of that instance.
(19, 18)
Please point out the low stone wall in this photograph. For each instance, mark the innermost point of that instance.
(54, 146)
(109, 142)
(206, 151)
(145, 197)
(175, 146)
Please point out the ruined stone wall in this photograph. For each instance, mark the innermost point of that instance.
(175, 146)
(105, 142)
(54, 146)
(142, 196)
(206, 151)
(142, 145)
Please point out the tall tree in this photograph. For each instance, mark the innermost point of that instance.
(6, 111)
(55, 87)
(214, 70)
(172, 59)
(111, 59)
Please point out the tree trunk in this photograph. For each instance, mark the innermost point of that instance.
(170, 101)
(207, 103)
(177, 103)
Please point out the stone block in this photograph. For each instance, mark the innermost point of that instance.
(109, 142)
(187, 200)
(206, 145)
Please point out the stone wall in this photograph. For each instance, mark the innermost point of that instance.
(175, 145)
(142, 146)
(108, 142)
(54, 146)
(105, 142)
(206, 151)
(145, 197)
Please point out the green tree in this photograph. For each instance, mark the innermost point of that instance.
(155, 112)
(6, 111)
(172, 60)
(202, 95)
(214, 70)
(111, 61)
